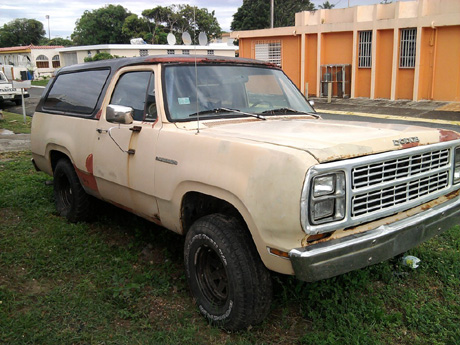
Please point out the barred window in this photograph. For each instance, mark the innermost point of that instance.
(186, 51)
(268, 51)
(210, 52)
(143, 52)
(171, 52)
(365, 49)
(407, 48)
(56, 61)
(42, 62)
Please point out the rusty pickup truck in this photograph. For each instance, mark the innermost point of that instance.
(230, 154)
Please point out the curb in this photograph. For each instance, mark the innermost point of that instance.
(391, 117)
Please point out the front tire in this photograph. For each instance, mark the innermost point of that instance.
(71, 199)
(231, 286)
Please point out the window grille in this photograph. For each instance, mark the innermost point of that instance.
(268, 51)
(42, 62)
(56, 61)
(186, 51)
(210, 52)
(365, 49)
(171, 52)
(407, 48)
(143, 52)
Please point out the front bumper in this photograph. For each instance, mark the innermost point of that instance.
(335, 257)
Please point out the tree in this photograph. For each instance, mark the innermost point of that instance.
(327, 6)
(21, 31)
(157, 18)
(134, 27)
(181, 18)
(101, 26)
(57, 41)
(194, 20)
(101, 56)
(255, 14)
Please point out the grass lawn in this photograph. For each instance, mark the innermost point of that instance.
(15, 123)
(120, 280)
(43, 82)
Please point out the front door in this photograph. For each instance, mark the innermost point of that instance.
(124, 155)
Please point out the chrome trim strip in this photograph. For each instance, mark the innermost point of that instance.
(166, 160)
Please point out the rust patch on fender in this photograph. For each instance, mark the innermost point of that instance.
(447, 135)
(89, 163)
(123, 207)
(87, 178)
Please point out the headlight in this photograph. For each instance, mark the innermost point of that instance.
(327, 198)
(457, 166)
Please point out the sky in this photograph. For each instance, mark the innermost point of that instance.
(63, 14)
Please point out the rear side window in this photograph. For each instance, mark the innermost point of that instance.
(76, 92)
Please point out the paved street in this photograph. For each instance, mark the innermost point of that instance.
(31, 102)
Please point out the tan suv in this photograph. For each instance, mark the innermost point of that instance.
(229, 153)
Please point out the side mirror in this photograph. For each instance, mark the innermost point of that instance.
(312, 103)
(119, 114)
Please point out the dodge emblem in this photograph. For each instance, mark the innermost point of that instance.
(403, 141)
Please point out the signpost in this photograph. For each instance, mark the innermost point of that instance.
(23, 84)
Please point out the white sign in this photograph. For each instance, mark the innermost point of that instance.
(23, 84)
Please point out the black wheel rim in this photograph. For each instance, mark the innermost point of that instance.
(64, 191)
(211, 276)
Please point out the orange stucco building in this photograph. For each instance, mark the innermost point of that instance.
(401, 50)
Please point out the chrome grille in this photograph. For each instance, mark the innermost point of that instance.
(384, 198)
(395, 169)
(384, 184)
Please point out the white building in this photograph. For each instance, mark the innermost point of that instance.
(74, 55)
(39, 60)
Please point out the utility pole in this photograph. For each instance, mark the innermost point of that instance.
(49, 32)
(272, 14)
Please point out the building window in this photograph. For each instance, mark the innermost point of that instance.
(268, 51)
(210, 52)
(186, 51)
(407, 48)
(42, 61)
(56, 61)
(171, 52)
(143, 52)
(365, 49)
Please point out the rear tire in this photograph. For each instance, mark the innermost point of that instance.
(71, 199)
(231, 286)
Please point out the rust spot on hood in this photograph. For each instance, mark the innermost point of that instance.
(447, 135)
(409, 145)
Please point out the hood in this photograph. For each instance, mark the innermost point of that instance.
(328, 140)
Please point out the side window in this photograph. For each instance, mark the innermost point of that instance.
(133, 90)
(66, 95)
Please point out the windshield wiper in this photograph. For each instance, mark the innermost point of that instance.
(226, 110)
(289, 110)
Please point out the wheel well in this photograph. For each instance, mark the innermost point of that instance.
(55, 156)
(196, 205)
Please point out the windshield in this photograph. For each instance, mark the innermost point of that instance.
(231, 91)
